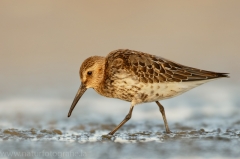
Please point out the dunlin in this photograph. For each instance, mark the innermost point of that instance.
(138, 77)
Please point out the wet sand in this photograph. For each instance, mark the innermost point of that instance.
(141, 141)
(203, 126)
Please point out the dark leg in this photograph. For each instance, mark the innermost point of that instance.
(128, 116)
(161, 108)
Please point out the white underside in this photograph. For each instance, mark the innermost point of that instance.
(159, 91)
(169, 90)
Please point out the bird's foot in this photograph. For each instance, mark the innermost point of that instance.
(107, 136)
(168, 132)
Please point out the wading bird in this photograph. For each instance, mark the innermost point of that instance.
(138, 77)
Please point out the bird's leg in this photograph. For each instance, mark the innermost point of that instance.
(161, 108)
(128, 116)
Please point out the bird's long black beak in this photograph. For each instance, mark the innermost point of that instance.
(79, 94)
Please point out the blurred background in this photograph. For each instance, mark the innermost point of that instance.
(43, 43)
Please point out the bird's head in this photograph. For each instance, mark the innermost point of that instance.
(91, 75)
(91, 71)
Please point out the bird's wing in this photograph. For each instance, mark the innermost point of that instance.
(154, 69)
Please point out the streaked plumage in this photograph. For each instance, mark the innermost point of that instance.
(139, 77)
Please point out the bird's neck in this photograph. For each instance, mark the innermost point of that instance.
(101, 76)
(102, 88)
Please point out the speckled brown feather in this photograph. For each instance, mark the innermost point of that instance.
(153, 69)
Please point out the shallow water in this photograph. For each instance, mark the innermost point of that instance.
(202, 125)
(183, 142)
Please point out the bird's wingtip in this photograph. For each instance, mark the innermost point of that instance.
(223, 75)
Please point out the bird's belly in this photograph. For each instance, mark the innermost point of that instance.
(159, 91)
(131, 90)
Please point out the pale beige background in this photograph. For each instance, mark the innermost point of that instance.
(43, 43)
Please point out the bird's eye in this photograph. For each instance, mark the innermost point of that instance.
(89, 72)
